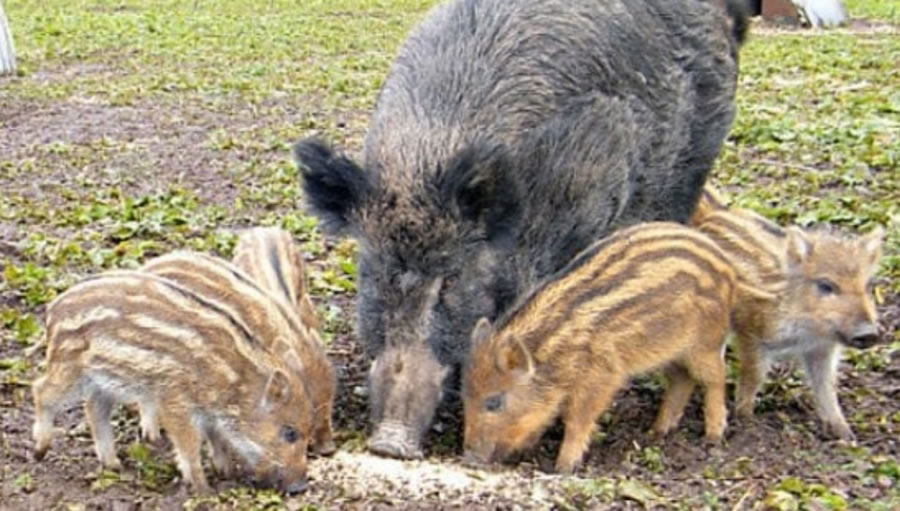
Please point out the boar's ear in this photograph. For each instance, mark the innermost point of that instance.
(799, 246)
(333, 184)
(482, 331)
(872, 243)
(278, 389)
(514, 356)
(478, 186)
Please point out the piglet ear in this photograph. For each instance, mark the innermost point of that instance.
(514, 356)
(482, 331)
(478, 186)
(290, 357)
(872, 243)
(799, 246)
(334, 186)
(278, 389)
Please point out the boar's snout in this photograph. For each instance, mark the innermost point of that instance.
(395, 441)
(864, 336)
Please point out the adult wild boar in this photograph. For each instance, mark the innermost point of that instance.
(508, 135)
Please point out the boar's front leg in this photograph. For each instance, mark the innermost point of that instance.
(585, 406)
(820, 366)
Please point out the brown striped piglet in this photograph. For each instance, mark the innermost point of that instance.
(270, 256)
(271, 319)
(823, 281)
(194, 364)
(653, 295)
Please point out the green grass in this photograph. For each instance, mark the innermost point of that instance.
(816, 140)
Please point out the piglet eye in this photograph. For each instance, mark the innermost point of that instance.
(826, 287)
(493, 403)
(289, 434)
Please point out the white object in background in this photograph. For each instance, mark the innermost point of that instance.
(7, 52)
(822, 13)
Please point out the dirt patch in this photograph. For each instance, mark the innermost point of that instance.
(855, 26)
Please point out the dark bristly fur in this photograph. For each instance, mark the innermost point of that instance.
(508, 135)
(193, 364)
(654, 295)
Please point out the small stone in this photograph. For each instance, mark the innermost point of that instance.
(360, 391)
(884, 481)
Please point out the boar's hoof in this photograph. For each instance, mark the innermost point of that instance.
(394, 448)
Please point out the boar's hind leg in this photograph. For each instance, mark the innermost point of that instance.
(821, 372)
(98, 410)
(678, 393)
(584, 408)
(186, 441)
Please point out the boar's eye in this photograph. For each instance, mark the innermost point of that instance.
(494, 403)
(289, 434)
(826, 287)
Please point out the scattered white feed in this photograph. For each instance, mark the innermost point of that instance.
(423, 478)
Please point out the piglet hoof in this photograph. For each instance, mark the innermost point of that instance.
(841, 431)
(658, 432)
(296, 488)
(39, 453)
(744, 411)
(153, 439)
(326, 448)
(112, 464)
(566, 467)
(712, 441)
(200, 489)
